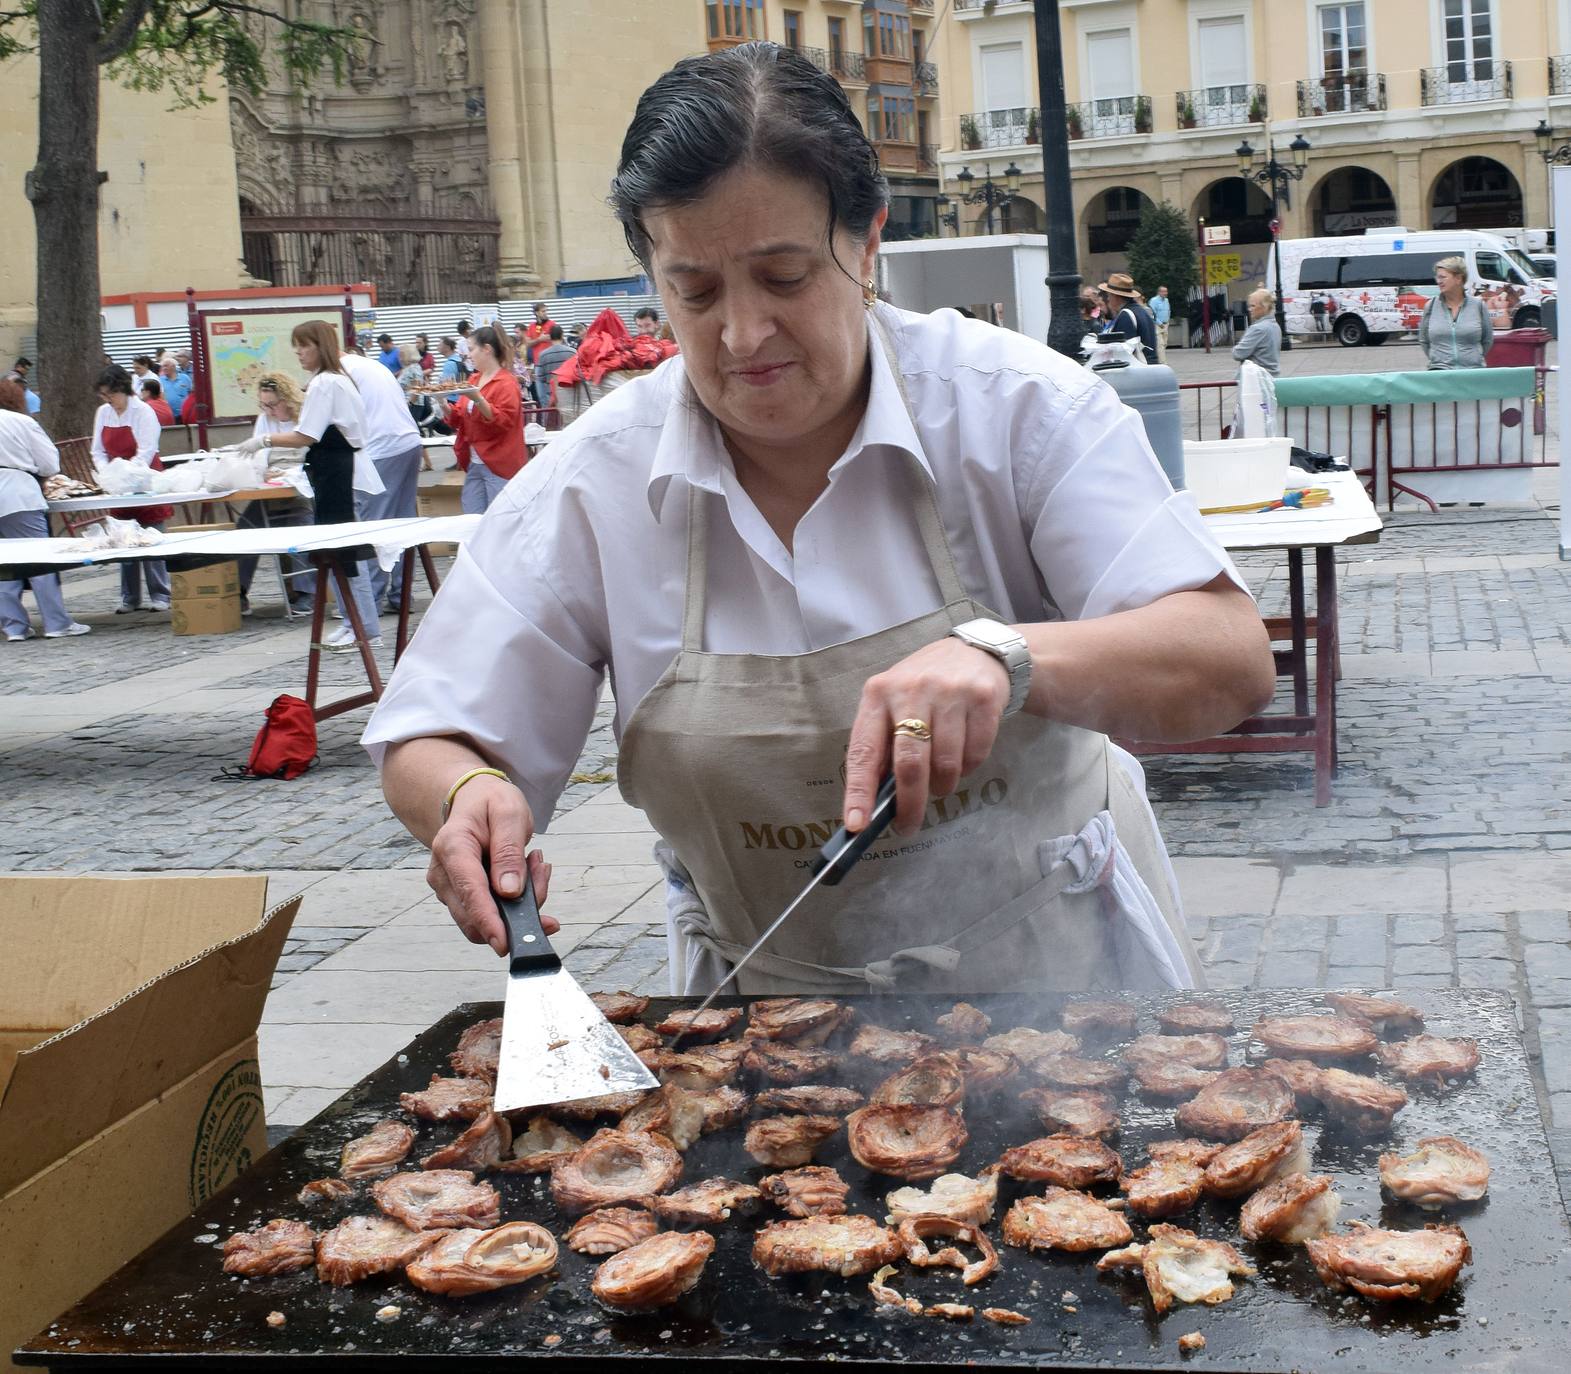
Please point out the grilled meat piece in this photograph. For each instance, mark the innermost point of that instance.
(984, 1070)
(359, 1247)
(965, 1023)
(1270, 1153)
(472, 1261)
(1069, 1161)
(707, 1203)
(1301, 1075)
(806, 1021)
(1358, 1102)
(615, 1166)
(1324, 1039)
(811, 1099)
(1172, 1079)
(479, 1050)
(1203, 1051)
(786, 1142)
(1075, 1111)
(1384, 1015)
(609, 1230)
(891, 1047)
(279, 1247)
(915, 1232)
(1430, 1059)
(780, 1062)
(957, 1196)
(653, 1273)
(1238, 1102)
(1442, 1170)
(1195, 1018)
(1102, 1017)
(1200, 1152)
(933, 1080)
(814, 1191)
(483, 1146)
(324, 1190)
(1177, 1264)
(588, 1108)
(913, 1143)
(697, 1070)
(538, 1148)
(639, 1037)
(1005, 1316)
(620, 1008)
(950, 1311)
(1028, 1045)
(885, 1296)
(845, 1245)
(722, 1107)
(1071, 1071)
(438, 1199)
(1064, 1219)
(449, 1099)
(709, 1024)
(1387, 1265)
(1291, 1210)
(672, 1111)
(1164, 1187)
(380, 1150)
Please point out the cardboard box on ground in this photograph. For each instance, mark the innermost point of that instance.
(205, 601)
(129, 1087)
(442, 497)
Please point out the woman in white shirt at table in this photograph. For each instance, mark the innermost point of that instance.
(26, 457)
(126, 427)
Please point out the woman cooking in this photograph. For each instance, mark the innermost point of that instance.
(828, 539)
(1455, 329)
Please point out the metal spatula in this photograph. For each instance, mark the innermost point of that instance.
(556, 1044)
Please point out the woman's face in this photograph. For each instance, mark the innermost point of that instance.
(273, 405)
(1448, 281)
(771, 326)
(117, 400)
(1258, 309)
(483, 356)
(308, 355)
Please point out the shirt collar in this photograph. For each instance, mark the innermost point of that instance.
(691, 446)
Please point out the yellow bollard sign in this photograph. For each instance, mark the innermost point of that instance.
(1222, 268)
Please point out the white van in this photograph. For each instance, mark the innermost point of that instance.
(1364, 288)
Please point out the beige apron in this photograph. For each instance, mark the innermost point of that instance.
(1038, 872)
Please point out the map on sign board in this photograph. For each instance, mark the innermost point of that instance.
(241, 347)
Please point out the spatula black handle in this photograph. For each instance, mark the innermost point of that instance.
(840, 855)
(528, 949)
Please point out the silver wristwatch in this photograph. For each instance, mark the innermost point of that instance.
(1009, 648)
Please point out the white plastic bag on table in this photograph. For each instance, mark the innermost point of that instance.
(1254, 413)
(232, 472)
(110, 533)
(184, 480)
(125, 477)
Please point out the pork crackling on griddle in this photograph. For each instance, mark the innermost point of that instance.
(1359, 1103)
(1027, 1045)
(438, 1199)
(483, 1146)
(279, 1247)
(806, 1021)
(1202, 1051)
(1076, 1111)
(915, 1232)
(1070, 1161)
(1442, 1170)
(1179, 1266)
(615, 1166)
(359, 1247)
(957, 1196)
(985, 1071)
(1238, 1102)
(1173, 1181)
(609, 1230)
(964, 1024)
(1291, 1210)
(378, 1151)
(1172, 1079)
(709, 1024)
(813, 1191)
(674, 1112)
(472, 1261)
(1301, 1075)
(1391, 1265)
(933, 1080)
(1195, 1018)
(844, 1245)
(1100, 1018)
(1430, 1059)
(1071, 1071)
(1260, 1157)
(620, 1008)
(1064, 1219)
(588, 1108)
(706, 1203)
(639, 1038)
(324, 1190)
(1322, 1038)
(782, 1062)
(653, 1273)
(449, 1099)
(479, 1050)
(1385, 1015)
(697, 1070)
(537, 1148)
(787, 1142)
(813, 1099)
(909, 1142)
(880, 1045)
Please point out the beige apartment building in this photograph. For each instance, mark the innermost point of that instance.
(1417, 112)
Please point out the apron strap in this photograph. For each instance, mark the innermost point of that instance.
(924, 501)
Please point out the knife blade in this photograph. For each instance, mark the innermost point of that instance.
(837, 858)
(557, 1045)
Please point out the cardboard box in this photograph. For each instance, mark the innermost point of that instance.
(206, 615)
(215, 580)
(442, 497)
(129, 1087)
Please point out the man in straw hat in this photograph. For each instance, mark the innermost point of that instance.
(1121, 303)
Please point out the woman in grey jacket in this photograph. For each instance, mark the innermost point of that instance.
(1455, 330)
(1262, 341)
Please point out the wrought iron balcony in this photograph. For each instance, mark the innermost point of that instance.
(1115, 117)
(1464, 83)
(1000, 128)
(847, 66)
(1560, 75)
(1221, 107)
(817, 56)
(920, 6)
(925, 78)
(1348, 93)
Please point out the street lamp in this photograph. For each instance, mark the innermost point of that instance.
(1278, 177)
(1544, 137)
(989, 193)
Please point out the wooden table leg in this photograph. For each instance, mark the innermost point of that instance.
(428, 565)
(1295, 592)
(1325, 674)
(406, 591)
(318, 612)
(328, 565)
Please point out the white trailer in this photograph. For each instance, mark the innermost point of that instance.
(1002, 274)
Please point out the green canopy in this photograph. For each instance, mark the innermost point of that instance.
(1407, 388)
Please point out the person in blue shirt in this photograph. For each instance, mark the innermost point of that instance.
(1161, 312)
(176, 384)
(388, 357)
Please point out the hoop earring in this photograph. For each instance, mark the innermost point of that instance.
(869, 293)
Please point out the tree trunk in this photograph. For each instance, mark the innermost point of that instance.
(64, 190)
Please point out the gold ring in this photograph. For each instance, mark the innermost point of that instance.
(914, 729)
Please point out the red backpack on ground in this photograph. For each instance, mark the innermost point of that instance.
(285, 746)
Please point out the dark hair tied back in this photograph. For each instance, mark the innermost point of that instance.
(116, 378)
(755, 105)
(493, 339)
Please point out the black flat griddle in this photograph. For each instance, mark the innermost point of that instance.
(1509, 1312)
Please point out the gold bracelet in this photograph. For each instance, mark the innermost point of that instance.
(470, 776)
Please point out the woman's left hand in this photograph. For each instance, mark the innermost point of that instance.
(960, 693)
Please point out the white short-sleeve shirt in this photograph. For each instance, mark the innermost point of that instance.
(138, 417)
(1052, 502)
(332, 399)
(389, 427)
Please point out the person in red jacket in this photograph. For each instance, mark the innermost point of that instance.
(153, 394)
(492, 420)
(538, 332)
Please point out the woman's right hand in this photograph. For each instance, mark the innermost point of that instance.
(490, 820)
